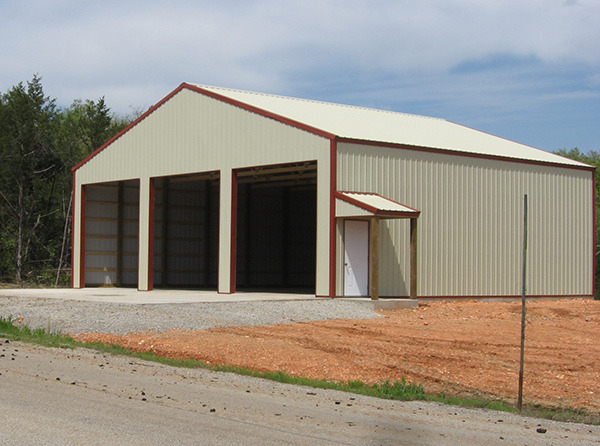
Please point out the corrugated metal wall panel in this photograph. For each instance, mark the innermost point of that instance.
(195, 133)
(470, 229)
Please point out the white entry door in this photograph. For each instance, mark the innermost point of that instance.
(356, 258)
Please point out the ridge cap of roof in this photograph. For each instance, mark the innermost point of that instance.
(313, 101)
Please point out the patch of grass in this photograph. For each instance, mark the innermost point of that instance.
(398, 390)
(562, 414)
(10, 329)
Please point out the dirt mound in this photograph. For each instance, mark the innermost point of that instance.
(459, 347)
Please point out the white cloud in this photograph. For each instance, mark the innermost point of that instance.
(486, 54)
(271, 37)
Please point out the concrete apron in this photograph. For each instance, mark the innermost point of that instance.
(133, 296)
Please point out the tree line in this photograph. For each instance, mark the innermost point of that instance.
(39, 144)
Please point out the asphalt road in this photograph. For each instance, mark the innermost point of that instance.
(79, 397)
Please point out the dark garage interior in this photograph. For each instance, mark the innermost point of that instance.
(276, 228)
(186, 231)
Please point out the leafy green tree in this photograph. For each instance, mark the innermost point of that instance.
(84, 127)
(28, 168)
(39, 144)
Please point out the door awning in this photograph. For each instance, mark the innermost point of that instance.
(365, 204)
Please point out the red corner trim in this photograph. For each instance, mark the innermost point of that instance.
(82, 240)
(233, 243)
(594, 260)
(73, 207)
(151, 237)
(332, 222)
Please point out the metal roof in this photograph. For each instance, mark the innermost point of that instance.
(371, 125)
(378, 205)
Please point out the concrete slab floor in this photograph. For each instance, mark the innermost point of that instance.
(133, 296)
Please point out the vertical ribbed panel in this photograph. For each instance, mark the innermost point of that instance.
(195, 133)
(102, 234)
(471, 225)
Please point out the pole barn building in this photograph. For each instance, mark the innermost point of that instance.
(229, 190)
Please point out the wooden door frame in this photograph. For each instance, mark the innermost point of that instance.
(373, 255)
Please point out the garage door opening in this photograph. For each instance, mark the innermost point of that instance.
(111, 234)
(276, 228)
(186, 231)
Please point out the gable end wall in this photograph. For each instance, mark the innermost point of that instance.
(191, 133)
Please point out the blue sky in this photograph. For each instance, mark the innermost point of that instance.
(524, 70)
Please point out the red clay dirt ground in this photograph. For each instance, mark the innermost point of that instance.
(463, 348)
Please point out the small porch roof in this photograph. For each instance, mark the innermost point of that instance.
(365, 204)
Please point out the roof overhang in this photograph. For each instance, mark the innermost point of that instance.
(364, 204)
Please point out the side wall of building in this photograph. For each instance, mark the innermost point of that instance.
(192, 133)
(471, 226)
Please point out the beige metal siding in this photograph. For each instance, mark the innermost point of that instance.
(344, 209)
(470, 229)
(195, 133)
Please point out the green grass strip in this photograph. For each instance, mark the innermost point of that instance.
(399, 390)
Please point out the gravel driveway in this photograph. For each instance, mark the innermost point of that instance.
(71, 316)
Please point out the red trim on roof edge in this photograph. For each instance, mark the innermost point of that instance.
(460, 153)
(129, 127)
(509, 140)
(316, 131)
(355, 202)
(594, 232)
(378, 195)
(213, 95)
(380, 214)
(374, 210)
(260, 111)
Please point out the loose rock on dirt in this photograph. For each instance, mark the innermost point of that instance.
(463, 347)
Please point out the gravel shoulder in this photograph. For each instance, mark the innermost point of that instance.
(72, 316)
